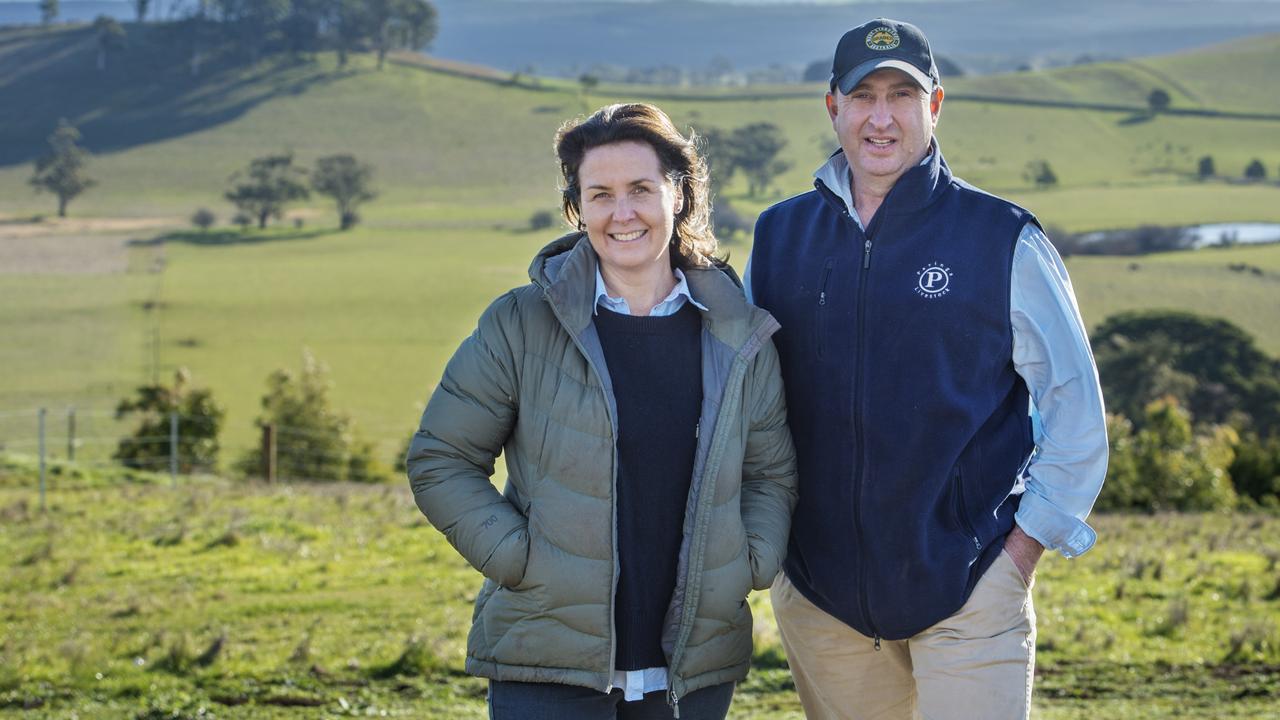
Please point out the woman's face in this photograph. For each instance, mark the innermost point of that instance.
(628, 206)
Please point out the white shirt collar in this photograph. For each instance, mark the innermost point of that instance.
(669, 305)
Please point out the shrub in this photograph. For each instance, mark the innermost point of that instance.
(1205, 168)
(1255, 471)
(541, 220)
(1165, 466)
(1255, 170)
(313, 440)
(199, 421)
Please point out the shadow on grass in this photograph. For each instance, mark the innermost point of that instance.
(1136, 119)
(143, 96)
(232, 237)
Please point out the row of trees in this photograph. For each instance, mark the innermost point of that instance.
(314, 440)
(271, 182)
(259, 27)
(260, 192)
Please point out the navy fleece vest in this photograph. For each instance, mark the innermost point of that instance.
(909, 421)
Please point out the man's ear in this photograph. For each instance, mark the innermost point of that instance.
(935, 103)
(831, 106)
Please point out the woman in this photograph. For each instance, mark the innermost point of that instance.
(638, 401)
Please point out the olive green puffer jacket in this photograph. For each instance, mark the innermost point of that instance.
(532, 382)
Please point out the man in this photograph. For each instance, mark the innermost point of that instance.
(922, 321)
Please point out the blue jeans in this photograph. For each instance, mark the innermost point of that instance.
(553, 701)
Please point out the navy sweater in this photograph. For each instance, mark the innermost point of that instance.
(909, 421)
(655, 364)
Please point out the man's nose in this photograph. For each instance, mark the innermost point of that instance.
(880, 114)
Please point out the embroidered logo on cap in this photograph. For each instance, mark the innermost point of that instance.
(933, 281)
(883, 38)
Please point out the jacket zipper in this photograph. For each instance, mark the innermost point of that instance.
(613, 491)
(710, 467)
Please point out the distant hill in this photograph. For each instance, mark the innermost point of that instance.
(165, 142)
(560, 37)
(565, 38)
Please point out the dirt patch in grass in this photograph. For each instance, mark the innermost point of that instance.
(72, 246)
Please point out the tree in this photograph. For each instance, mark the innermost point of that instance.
(61, 170)
(588, 82)
(1040, 173)
(383, 24)
(1255, 170)
(1158, 101)
(270, 183)
(203, 219)
(817, 71)
(199, 421)
(48, 11)
(140, 9)
(1205, 168)
(1165, 465)
(755, 152)
(1209, 366)
(313, 440)
(718, 152)
(346, 180)
(111, 38)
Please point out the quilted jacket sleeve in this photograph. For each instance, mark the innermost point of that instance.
(463, 429)
(768, 469)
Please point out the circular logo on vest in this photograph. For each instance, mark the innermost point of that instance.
(883, 38)
(933, 281)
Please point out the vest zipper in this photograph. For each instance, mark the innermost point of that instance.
(857, 425)
(674, 701)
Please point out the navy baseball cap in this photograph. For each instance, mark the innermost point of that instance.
(883, 43)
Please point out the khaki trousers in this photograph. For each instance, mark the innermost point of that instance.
(977, 664)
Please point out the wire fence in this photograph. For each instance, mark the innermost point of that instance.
(65, 446)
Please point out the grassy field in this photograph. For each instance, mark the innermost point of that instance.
(134, 600)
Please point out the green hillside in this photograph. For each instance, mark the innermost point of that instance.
(461, 164)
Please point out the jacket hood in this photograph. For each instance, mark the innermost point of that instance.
(566, 271)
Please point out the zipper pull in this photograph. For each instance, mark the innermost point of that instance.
(877, 643)
(674, 701)
(866, 255)
(822, 298)
(697, 430)
(976, 543)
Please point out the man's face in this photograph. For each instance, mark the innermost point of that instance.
(885, 124)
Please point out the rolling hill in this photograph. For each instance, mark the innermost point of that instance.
(462, 162)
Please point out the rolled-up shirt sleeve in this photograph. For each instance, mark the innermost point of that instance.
(1051, 353)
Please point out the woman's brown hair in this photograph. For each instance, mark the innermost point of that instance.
(692, 242)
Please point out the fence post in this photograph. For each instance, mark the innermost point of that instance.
(71, 433)
(43, 507)
(173, 448)
(269, 453)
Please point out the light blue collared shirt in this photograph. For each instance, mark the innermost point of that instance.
(1051, 353)
(669, 305)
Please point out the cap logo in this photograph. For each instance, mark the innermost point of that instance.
(883, 38)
